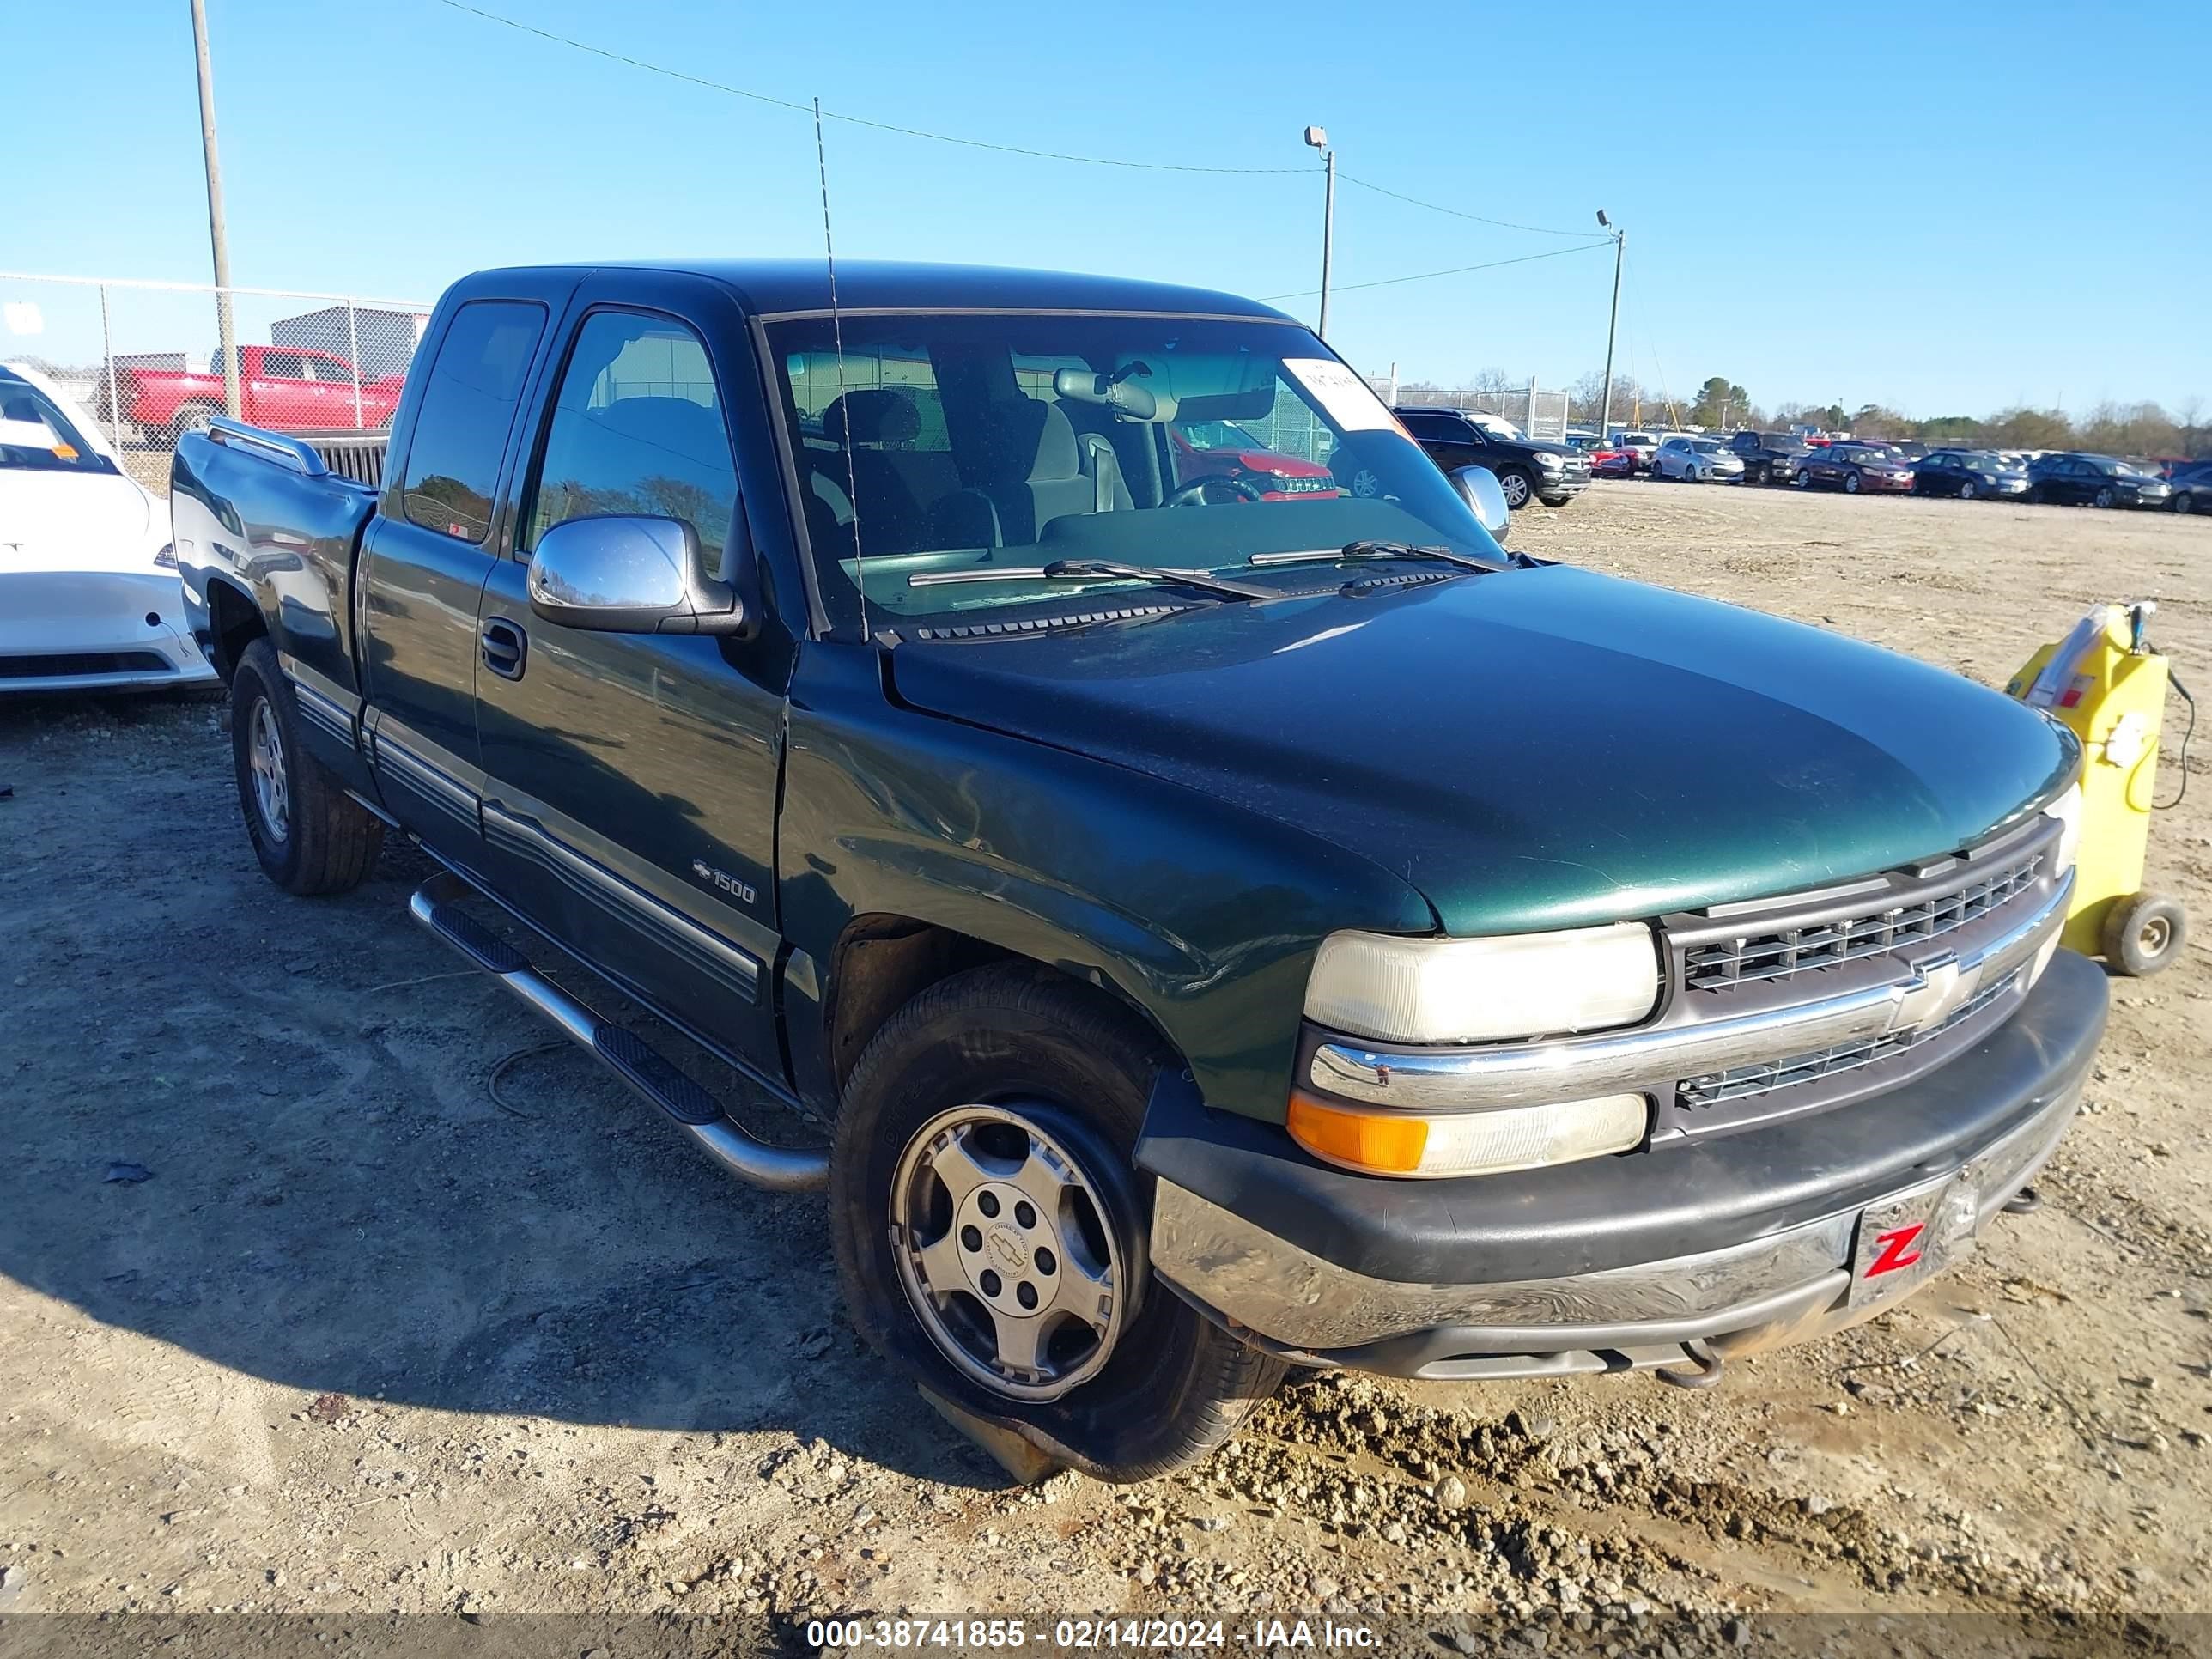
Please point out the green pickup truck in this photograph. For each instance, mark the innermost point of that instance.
(1218, 928)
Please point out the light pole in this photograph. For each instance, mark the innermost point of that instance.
(216, 235)
(1317, 138)
(1611, 328)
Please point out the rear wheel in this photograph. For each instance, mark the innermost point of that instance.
(311, 836)
(192, 417)
(990, 1226)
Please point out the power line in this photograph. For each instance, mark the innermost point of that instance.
(833, 115)
(1456, 271)
(1503, 224)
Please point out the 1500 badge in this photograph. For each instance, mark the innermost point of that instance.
(740, 891)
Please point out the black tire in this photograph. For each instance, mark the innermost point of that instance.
(2104, 496)
(1175, 1386)
(2035, 495)
(1508, 479)
(2143, 933)
(327, 841)
(2182, 503)
(1967, 491)
(1850, 483)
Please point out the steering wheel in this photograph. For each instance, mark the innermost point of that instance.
(1194, 493)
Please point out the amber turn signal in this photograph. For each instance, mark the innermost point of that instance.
(1387, 1143)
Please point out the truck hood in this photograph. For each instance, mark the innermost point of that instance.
(1533, 748)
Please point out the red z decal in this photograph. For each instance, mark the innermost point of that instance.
(1897, 1249)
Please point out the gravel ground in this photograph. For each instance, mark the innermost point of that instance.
(326, 1286)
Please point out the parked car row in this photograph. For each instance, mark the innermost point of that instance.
(1903, 466)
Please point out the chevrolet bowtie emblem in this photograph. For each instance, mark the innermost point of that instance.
(1936, 991)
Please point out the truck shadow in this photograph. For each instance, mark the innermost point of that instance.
(289, 1138)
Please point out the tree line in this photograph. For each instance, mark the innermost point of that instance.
(2110, 429)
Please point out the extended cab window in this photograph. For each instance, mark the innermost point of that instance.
(636, 428)
(468, 407)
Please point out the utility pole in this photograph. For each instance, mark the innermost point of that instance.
(1612, 327)
(1317, 138)
(224, 331)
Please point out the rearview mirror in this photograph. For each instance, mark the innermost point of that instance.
(623, 574)
(1478, 488)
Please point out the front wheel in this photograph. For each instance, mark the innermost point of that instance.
(1850, 483)
(2104, 497)
(2181, 502)
(310, 836)
(1967, 491)
(990, 1226)
(1517, 489)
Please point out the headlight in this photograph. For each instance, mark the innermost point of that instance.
(1546, 458)
(1467, 1143)
(2067, 809)
(1476, 990)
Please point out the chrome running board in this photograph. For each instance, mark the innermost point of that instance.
(628, 1055)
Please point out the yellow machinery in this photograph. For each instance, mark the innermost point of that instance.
(2108, 685)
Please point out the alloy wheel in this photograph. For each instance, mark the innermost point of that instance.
(1516, 489)
(266, 751)
(1007, 1251)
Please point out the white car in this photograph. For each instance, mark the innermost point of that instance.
(1697, 460)
(89, 596)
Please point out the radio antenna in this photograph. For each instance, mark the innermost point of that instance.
(837, 340)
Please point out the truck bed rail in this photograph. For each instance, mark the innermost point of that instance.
(350, 454)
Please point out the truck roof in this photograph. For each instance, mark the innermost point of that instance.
(769, 287)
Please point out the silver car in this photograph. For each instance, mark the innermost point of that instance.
(1697, 460)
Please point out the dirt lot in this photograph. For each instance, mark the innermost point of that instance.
(413, 1314)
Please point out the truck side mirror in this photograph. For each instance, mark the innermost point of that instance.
(629, 574)
(1478, 488)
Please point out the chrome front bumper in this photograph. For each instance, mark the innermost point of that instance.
(1566, 1270)
(1312, 1311)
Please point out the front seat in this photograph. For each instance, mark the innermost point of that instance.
(1032, 469)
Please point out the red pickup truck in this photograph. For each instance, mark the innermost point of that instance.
(282, 387)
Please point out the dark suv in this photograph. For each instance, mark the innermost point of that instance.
(2095, 481)
(1768, 457)
(1526, 468)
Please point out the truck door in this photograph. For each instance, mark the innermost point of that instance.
(630, 790)
(423, 564)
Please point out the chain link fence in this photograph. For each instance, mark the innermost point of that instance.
(146, 360)
(1538, 413)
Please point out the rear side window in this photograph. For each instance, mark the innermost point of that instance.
(468, 405)
(636, 428)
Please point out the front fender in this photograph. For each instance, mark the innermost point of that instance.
(1203, 916)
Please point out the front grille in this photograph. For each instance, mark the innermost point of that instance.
(1780, 953)
(1766, 1076)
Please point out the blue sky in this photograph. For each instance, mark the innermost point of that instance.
(1947, 209)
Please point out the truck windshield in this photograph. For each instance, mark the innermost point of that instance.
(36, 436)
(940, 443)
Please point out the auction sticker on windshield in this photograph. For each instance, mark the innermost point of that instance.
(1344, 397)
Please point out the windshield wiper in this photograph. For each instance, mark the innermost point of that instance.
(1089, 569)
(1376, 549)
